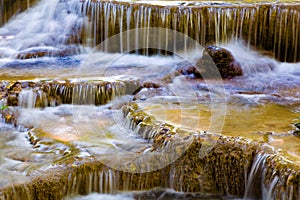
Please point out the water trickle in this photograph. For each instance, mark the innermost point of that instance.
(27, 98)
(255, 178)
(275, 182)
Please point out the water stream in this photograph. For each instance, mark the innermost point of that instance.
(68, 99)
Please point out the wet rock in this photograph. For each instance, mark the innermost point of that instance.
(12, 100)
(43, 52)
(213, 56)
(53, 93)
(189, 70)
(296, 133)
(32, 138)
(146, 85)
(9, 115)
(297, 125)
(224, 61)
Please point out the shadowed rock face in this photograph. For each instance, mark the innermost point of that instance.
(270, 27)
(9, 8)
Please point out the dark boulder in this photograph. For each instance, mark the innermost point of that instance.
(222, 59)
(297, 125)
(296, 133)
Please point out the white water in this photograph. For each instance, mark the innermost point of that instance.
(251, 61)
(46, 26)
(95, 196)
(257, 179)
(27, 98)
(49, 24)
(14, 147)
(154, 194)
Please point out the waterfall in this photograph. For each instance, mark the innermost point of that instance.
(27, 98)
(43, 30)
(103, 181)
(271, 27)
(251, 61)
(255, 178)
(9, 8)
(268, 181)
(43, 94)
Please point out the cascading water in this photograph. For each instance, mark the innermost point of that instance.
(62, 149)
(27, 99)
(272, 185)
(270, 27)
(48, 27)
(40, 95)
(9, 8)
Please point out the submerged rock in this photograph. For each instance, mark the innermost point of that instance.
(189, 70)
(43, 52)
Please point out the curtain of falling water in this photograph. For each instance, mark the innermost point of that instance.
(51, 94)
(9, 8)
(271, 181)
(270, 27)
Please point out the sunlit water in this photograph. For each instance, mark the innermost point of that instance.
(61, 133)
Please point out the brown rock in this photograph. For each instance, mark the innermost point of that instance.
(12, 100)
(222, 59)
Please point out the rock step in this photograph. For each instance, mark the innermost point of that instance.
(224, 168)
(226, 157)
(53, 93)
